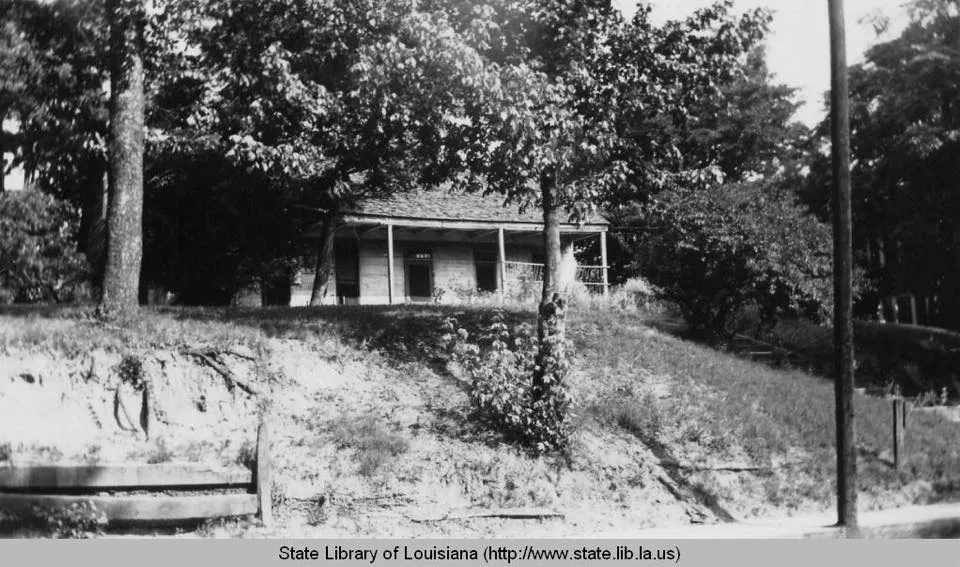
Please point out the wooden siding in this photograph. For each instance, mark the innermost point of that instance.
(454, 269)
(373, 272)
(300, 293)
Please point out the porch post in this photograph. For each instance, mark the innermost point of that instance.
(603, 260)
(501, 262)
(390, 263)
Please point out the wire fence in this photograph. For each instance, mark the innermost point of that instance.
(523, 273)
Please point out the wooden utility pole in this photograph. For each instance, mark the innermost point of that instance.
(842, 271)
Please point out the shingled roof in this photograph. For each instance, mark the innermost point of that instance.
(448, 206)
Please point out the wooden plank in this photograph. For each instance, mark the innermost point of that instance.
(264, 479)
(139, 508)
(122, 476)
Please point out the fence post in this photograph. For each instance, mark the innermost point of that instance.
(264, 481)
(899, 423)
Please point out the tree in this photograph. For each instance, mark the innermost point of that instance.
(586, 112)
(121, 279)
(327, 102)
(53, 77)
(18, 67)
(747, 129)
(905, 144)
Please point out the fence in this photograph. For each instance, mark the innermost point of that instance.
(25, 489)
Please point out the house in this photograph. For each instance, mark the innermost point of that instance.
(433, 245)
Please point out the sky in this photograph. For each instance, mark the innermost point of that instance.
(798, 45)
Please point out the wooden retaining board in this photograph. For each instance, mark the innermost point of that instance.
(140, 508)
(129, 477)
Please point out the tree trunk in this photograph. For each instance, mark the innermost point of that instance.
(92, 231)
(121, 279)
(551, 323)
(324, 269)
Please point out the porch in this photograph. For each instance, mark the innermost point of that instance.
(392, 260)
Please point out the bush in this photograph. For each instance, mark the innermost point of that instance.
(716, 251)
(501, 366)
(39, 260)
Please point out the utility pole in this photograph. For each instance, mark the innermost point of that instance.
(842, 271)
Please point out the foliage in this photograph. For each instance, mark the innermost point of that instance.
(53, 87)
(747, 128)
(39, 261)
(905, 151)
(716, 251)
(587, 104)
(501, 364)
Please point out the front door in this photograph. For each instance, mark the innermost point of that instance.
(419, 264)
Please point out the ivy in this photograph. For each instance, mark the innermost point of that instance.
(501, 363)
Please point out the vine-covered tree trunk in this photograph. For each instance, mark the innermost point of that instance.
(551, 323)
(324, 269)
(121, 279)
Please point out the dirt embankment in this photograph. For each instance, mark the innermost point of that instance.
(139, 406)
(419, 468)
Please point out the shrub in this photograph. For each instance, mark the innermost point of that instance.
(501, 366)
(716, 251)
(39, 260)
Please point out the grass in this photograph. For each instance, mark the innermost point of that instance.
(374, 445)
(770, 413)
(74, 331)
(919, 360)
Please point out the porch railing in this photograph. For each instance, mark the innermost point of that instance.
(528, 272)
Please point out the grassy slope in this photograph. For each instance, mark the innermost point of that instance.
(719, 403)
(773, 414)
(922, 361)
(693, 407)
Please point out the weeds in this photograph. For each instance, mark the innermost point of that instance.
(80, 520)
(374, 445)
(247, 455)
(130, 370)
(160, 453)
(641, 418)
